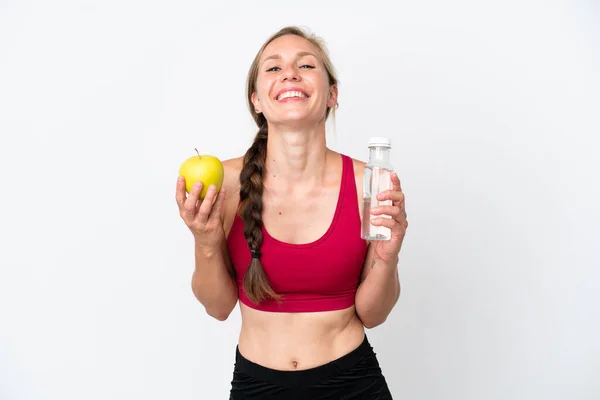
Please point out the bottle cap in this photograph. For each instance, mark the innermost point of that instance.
(380, 142)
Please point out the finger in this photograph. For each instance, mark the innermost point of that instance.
(189, 207)
(392, 211)
(216, 211)
(394, 225)
(394, 195)
(180, 192)
(396, 182)
(207, 204)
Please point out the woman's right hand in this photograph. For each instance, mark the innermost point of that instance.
(204, 218)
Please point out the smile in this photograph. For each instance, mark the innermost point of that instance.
(291, 94)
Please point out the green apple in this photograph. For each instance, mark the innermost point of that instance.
(202, 168)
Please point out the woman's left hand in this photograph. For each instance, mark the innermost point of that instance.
(388, 250)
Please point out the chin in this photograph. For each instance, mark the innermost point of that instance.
(296, 118)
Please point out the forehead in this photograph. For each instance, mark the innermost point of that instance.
(289, 45)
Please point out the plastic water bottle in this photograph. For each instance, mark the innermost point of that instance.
(377, 178)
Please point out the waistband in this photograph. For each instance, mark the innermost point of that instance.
(306, 376)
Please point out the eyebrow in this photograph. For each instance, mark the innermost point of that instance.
(299, 54)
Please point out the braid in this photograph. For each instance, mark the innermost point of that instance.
(256, 283)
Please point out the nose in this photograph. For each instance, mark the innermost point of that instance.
(290, 74)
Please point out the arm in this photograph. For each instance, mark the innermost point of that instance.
(213, 280)
(379, 289)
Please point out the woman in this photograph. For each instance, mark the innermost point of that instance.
(286, 243)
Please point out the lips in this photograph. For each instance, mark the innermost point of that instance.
(289, 93)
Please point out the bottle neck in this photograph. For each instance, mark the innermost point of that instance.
(379, 155)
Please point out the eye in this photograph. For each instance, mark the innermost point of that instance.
(273, 69)
(306, 66)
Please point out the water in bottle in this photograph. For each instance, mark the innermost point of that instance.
(377, 178)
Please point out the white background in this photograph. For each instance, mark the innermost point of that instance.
(493, 112)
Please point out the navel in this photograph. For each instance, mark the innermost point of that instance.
(295, 364)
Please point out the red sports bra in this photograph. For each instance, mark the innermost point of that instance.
(319, 276)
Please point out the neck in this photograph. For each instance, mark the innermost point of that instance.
(296, 154)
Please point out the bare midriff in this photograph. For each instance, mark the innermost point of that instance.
(298, 341)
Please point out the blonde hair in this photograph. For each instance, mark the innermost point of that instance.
(256, 283)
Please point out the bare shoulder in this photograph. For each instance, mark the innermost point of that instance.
(231, 182)
(359, 168)
(231, 179)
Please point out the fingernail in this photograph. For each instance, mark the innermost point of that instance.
(197, 184)
(180, 179)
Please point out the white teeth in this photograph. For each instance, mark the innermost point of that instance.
(291, 93)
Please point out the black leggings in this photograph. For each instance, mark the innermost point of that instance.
(355, 376)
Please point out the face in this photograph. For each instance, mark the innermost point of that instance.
(292, 83)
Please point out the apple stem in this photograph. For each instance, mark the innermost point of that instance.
(197, 153)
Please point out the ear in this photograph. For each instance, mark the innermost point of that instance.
(333, 96)
(255, 102)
